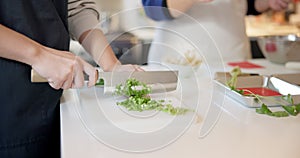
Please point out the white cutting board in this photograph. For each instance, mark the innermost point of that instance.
(103, 119)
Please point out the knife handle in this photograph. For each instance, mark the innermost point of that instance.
(35, 77)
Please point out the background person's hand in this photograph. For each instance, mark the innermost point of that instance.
(63, 69)
(278, 5)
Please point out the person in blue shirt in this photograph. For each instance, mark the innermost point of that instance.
(215, 28)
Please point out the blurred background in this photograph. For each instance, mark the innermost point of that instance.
(118, 17)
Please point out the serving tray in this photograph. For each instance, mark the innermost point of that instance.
(274, 84)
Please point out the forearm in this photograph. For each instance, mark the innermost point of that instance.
(96, 44)
(62, 69)
(83, 24)
(18, 47)
(177, 7)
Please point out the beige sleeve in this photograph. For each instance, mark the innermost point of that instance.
(83, 15)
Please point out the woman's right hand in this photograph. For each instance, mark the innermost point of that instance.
(62, 69)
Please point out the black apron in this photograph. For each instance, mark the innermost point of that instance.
(29, 112)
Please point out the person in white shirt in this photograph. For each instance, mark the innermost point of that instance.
(215, 29)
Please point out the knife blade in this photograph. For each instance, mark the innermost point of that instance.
(159, 81)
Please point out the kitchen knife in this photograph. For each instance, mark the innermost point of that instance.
(159, 81)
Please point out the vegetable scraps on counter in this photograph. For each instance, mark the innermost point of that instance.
(138, 99)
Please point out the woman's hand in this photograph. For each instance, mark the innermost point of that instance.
(63, 70)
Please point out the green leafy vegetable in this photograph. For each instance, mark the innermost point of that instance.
(265, 110)
(292, 109)
(235, 72)
(298, 107)
(139, 100)
(280, 114)
(289, 99)
(100, 82)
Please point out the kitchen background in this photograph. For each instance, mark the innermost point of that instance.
(132, 47)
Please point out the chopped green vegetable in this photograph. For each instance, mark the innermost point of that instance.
(100, 82)
(133, 87)
(139, 100)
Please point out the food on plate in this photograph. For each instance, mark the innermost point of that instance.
(260, 92)
(138, 99)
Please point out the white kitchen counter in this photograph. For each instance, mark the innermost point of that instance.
(93, 126)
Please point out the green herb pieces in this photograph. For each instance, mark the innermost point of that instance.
(139, 100)
(298, 107)
(280, 114)
(133, 87)
(100, 82)
(292, 110)
(265, 110)
(235, 72)
(289, 99)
